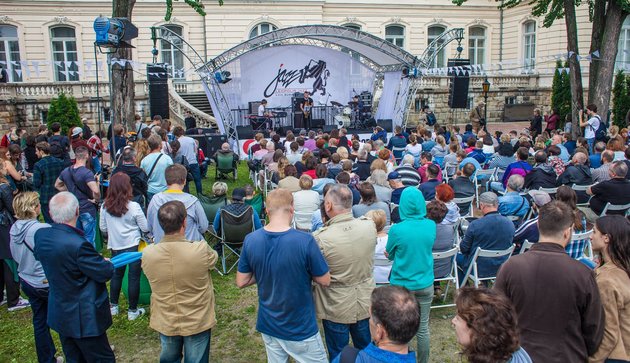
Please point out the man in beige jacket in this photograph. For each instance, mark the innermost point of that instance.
(182, 298)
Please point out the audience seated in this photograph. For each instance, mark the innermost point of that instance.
(463, 159)
(395, 182)
(290, 181)
(595, 159)
(237, 207)
(577, 173)
(528, 230)
(477, 153)
(321, 173)
(445, 194)
(378, 178)
(554, 160)
(410, 176)
(520, 167)
(542, 174)
(601, 174)
(613, 191)
(428, 187)
(369, 202)
(444, 240)
(425, 161)
(513, 203)
(305, 203)
(362, 166)
(463, 186)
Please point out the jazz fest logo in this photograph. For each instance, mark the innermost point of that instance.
(315, 70)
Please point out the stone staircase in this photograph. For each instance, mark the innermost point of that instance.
(198, 100)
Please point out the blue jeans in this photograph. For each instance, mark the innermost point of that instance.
(591, 143)
(87, 224)
(196, 173)
(133, 280)
(424, 298)
(96, 164)
(337, 336)
(196, 348)
(39, 305)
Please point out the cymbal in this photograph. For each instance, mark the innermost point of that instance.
(335, 103)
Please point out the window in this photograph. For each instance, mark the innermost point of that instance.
(10, 52)
(395, 34)
(171, 55)
(510, 100)
(353, 26)
(529, 45)
(477, 45)
(261, 29)
(440, 59)
(623, 52)
(65, 56)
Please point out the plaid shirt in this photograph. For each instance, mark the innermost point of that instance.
(45, 173)
(95, 144)
(575, 249)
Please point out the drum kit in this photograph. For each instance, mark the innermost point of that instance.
(343, 114)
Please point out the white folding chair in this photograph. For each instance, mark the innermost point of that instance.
(392, 206)
(452, 275)
(478, 173)
(588, 248)
(449, 170)
(551, 191)
(472, 271)
(268, 184)
(302, 216)
(582, 188)
(383, 262)
(615, 208)
(525, 246)
(466, 200)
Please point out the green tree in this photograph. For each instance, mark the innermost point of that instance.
(64, 110)
(561, 92)
(621, 99)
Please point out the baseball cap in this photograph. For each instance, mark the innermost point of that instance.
(76, 131)
(238, 194)
(394, 175)
(539, 197)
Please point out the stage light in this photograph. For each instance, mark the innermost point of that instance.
(114, 32)
(222, 77)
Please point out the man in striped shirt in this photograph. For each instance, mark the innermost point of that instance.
(409, 175)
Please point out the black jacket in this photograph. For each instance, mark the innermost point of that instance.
(576, 174)
(362, 169)
(463, 188)
(138, 179)
(541, 176)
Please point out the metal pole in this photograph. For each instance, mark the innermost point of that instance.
(98, 100)
(485, 110)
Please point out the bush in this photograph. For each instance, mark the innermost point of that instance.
(64, 110)
(561, 92)
(621, 99)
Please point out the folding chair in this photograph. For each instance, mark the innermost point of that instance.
(587, 250)
(462, 202)
(225, 165)
(448, 171)
(478, 173)
(383, 262)
(258, 204)
(525, 247)
(303, 216)
(234, 228)
(211, 205)
(268, 185)
(472, 271)
(615, 208)
(582, 188)
(451, 276)
(551, 191)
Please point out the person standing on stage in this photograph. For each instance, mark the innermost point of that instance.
(306, 108)
(264, 116)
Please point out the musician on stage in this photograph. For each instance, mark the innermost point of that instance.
(307, 108)
(264, 116)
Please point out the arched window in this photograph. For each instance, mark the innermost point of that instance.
(261, 28)
(395, 34)
(10, 52)
(65, 55)
(529, 45)
(434, 32)
(171, 56)
(477, 45)
(623, 52)
(352, 26)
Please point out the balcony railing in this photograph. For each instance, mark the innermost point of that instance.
(48, 90)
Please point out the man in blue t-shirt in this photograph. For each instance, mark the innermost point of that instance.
(80, 181)
(283, 262)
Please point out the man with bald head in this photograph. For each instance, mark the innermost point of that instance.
(226, 151)
(564, 153)
(347, 244)
(577, 173)
(601, 173)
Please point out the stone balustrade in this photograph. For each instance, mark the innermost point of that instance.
(48, 90)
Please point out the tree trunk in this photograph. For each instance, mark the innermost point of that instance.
(123, 94)
(575, 71)
(602, 86)
(599, 19)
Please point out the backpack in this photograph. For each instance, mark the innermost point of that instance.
(601, 134)
(431, 120)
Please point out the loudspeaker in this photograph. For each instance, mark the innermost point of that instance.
(157, 77)
(317, 123)
(214, 143)
(253, 107)
(245, 132)
(297, 101)
(282, 130)
(385, 124)
(458, 83)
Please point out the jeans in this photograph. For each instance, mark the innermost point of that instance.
(87, 224)
(45, 211)
(309, 350)
(337, 335)
(96, 164)
(196, 348)
(196, 173)
(44, 344)
(496, 186)
(424, 298)
(591, 143)
(133, 283)
(90, 349)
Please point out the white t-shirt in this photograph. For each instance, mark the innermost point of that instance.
(261, 110)
(593, 125)
(414, 149)
(381, 273)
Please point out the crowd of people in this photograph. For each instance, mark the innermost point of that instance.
(346, 236)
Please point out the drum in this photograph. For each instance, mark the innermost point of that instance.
(347, 111)
(342, 121)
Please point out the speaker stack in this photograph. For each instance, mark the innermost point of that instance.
(387, 124)
(157, 77)
(458, 83)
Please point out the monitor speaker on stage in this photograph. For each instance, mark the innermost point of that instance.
(317, 123)
(245, 132)
(385, 124)
(297, 101)
(459, 78)
(253, 107)
(157, 76)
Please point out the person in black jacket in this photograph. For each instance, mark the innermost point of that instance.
(577, 173)
(464, 187)
(535, 127)
(137, 175)
(542, 175)
(362, 166)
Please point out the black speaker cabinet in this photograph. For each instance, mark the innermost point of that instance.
(253, 107)
(317, 123)
(328, 128)
(385, 124)
(214, 143)
(297, 101)
(245, 132)
(458, 83)
(157, 76)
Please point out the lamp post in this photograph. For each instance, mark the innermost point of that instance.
(486, 88)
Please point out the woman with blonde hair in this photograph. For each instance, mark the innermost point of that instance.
(378, 164)
(32, 277)
(378, 178)
(143, 149)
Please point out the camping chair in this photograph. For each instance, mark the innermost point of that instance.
(225, 165)
(462, 202)
(615, 208)
(451, 276)
(473, 273)
(211, 205)
(234, 228)
(526, 246)
(258, 204)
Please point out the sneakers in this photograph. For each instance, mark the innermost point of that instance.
(4, 301)
(113, 309)
(133, 315)
(22, 303)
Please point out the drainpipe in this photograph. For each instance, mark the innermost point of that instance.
(205, 40)
(501, 32)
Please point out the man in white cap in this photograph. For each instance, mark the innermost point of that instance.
(78, 141)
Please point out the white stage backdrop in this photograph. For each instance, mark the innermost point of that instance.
(275, 73)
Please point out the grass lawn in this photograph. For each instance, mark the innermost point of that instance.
(234, 339)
